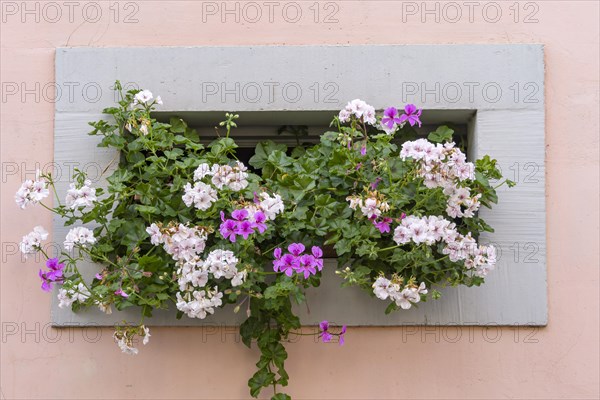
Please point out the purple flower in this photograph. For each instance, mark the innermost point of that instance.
(277, 263)
(296, 261)
(256, 198)
(411, 114)
(121, 293)
(244, 229)
(289, 263)
(228, 229)
(318, 254)
(325, 335)
(383, 225)
(240, 215)
(54, 265)
(296, 248)
(307, 265)
(390, 117)
(53, 275)
(98, 276)
(363, 150)
(376, 183)
(46, 283)
(342, 332)
(358, 166)
(259, 221)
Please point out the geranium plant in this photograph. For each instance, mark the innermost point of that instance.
(182, 225)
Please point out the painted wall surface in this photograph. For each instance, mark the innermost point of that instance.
(558, 361)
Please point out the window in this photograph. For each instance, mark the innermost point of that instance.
(493, 93)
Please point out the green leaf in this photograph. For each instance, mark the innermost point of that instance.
(441, 134)
(281, 396)
(177, 125)
(262, 378)
(262, 152)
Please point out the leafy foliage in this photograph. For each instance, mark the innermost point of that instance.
(157, 159)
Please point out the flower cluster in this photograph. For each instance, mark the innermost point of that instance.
(392, 119)
(79, 236)
(445, 166)
(296, 261)
(403, 295)
(201, 195)
(31, 192)
(269, 205)
(372, 206)
(432, 229)
(242, 223)
(32, 242)
(482, 258)
(77, 293)
(220, 263)
(235, 178)
(199, 303)
(180, 241)
(80, 196)
(361, 110)
(53, 275)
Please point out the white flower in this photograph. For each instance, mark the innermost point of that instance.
(156, 236)
(146, 335)
(125, 343)
(239, 278)
(381, 288)
(402, 235)
(32, 242)
(105, 308)
(159, 100)
(360, 110)
(406, 298)
(199, 278)
(370, 208)
(354, 202)
(344, 115)
(271, 206)
(79, 293)
(222, 263)
(201, 195)
(143, 97)
(79, 197)
(80, 235)
(64, 300)
(202, 171)
(144, 129)
(181, 242)
(31, 192)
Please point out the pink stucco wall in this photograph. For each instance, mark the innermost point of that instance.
(558, 361)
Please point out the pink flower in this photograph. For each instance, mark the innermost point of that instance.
(121, 293)
(259, 221)
(411, 115)
(383, 225)
(296, 248)
(325, 335)
(244, 229)
(228, 229)
(390, 118)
